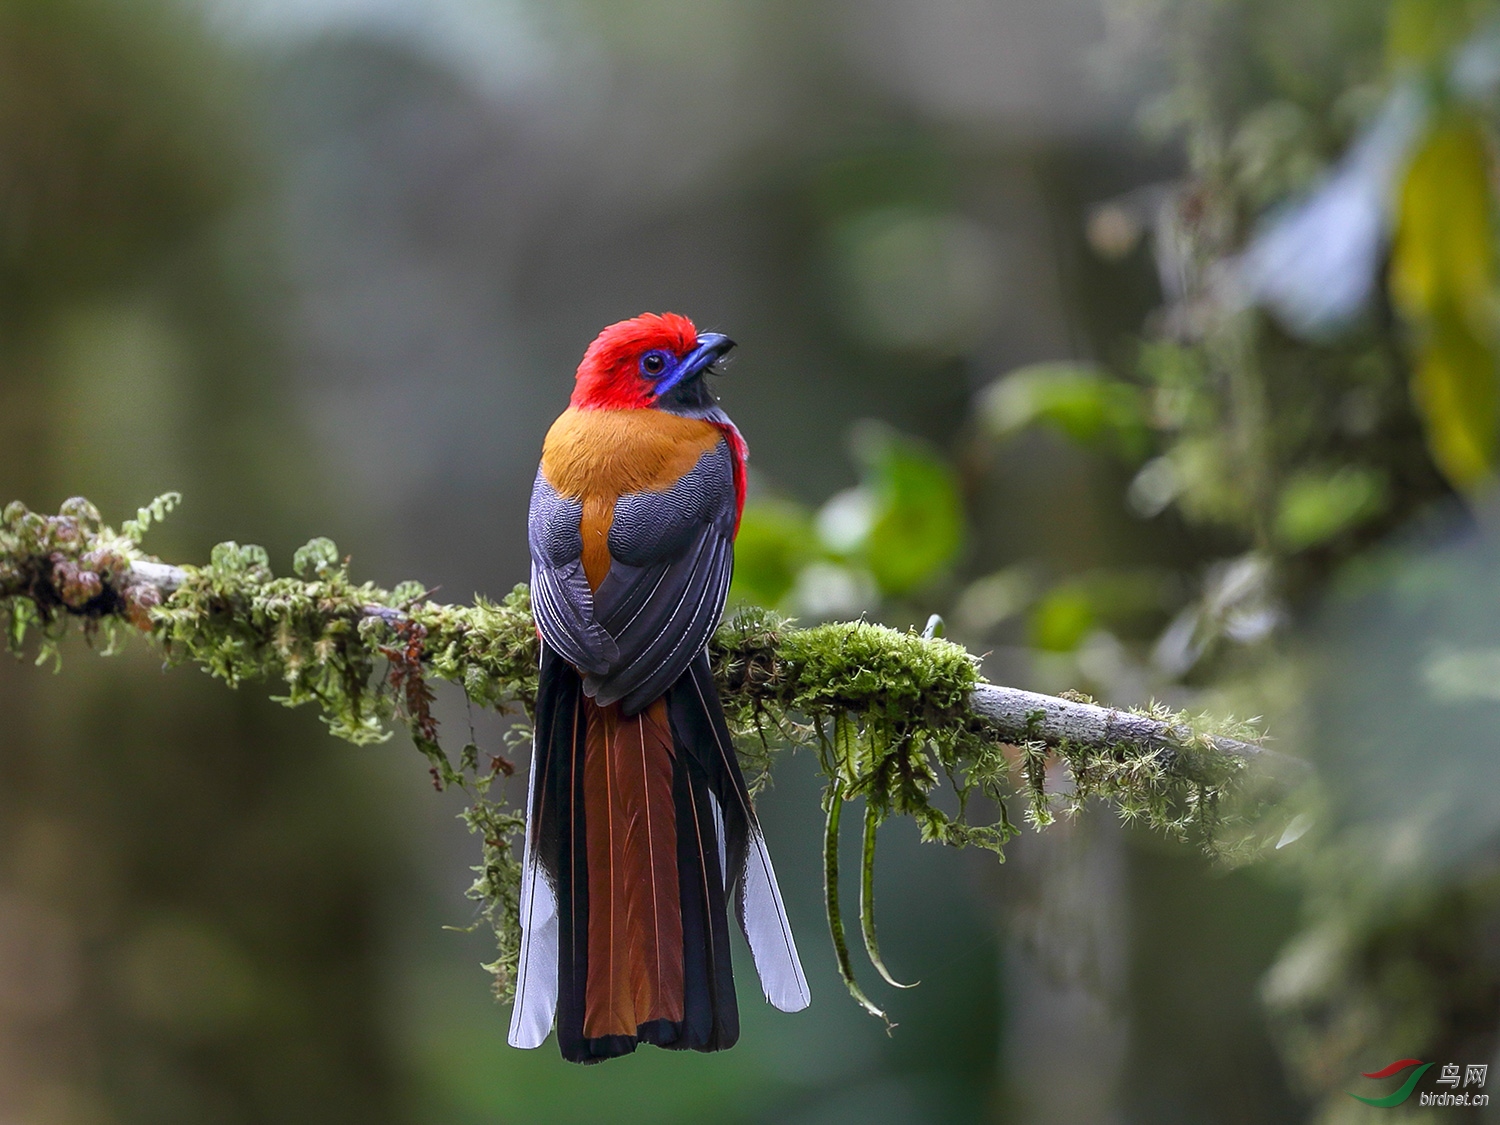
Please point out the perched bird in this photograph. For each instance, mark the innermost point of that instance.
(639, 827)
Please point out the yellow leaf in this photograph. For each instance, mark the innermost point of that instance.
(1442, 279)
(1455, 390)
(1444, 252)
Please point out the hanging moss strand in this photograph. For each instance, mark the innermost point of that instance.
(835, 801)
(867, 898)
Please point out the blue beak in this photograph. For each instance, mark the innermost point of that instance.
(712, 346)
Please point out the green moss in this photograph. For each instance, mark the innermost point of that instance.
(886, 711)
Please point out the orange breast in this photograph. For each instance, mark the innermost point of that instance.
(597, 456)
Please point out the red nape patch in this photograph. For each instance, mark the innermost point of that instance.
(741, 453)
(609, 378)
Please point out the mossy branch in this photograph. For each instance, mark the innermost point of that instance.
(889, 714)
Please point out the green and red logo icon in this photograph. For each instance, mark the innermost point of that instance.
(1406, 1088)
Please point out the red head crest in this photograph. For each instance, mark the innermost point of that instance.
(611, 374)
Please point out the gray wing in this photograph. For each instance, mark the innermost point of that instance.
(560, 599)
(672, 555)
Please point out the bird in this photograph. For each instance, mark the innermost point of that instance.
(640, 832)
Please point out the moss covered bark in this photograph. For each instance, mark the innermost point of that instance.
(894, 717)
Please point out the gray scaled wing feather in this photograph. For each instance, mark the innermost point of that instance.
(672, 554)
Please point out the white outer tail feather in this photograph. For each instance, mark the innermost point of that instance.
(535, 1006)
(764, 922)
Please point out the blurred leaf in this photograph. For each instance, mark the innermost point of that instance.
(1238, 602)
(1454, 387)
(1443, 244)
(1081, 401)
(1072, 609)
(1442, 273)
(1061, 619)
(919, 521)
(1155, 486)
(775, 542)
(887, 536)
(1314, 507)
(1315, 263)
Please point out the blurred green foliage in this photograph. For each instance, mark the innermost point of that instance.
(1292, 453)
(1316, 507)
(915, 517)
(775, 542)
(1422, 32)
(894, 534)
(1125, 601)
(1084, 402)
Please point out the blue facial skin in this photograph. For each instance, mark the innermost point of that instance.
(674, 372)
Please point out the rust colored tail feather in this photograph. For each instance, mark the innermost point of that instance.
(635, 920)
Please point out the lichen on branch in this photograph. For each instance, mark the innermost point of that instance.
(890, 715)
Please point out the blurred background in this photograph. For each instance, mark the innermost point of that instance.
(1153, 343)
